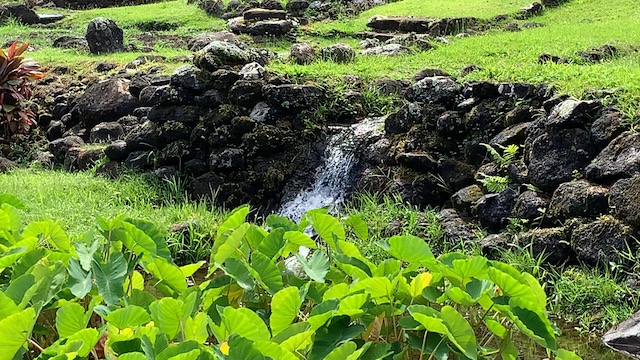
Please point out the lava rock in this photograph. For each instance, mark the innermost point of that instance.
(339, 53)
(620, 159)
(494, 209)
(295, 97)
(303, 54)
(140, 160)
(456, 174)
(6, 165)
(117, 151)
(513, 135)
(571, 113)
(104, 36)
(187, 114)
(143, 136)
(246, 93)
(59, 147)
(579, 199)
(196, 167)
(176, 152)
(530, 205)
(420, 162)
(608, 127)
(625, 337)
(252, 71)
(227, 160)
(551, 244)
(438, 89)
(107, 131)
(105, 101)
(297, 7)
(624, 197)
(555, 157)
(218, 54)
(455, 229)
(190, 77)
(401, 121)
(200, 41)
(602, 241)
(465, 199)
(71, 42)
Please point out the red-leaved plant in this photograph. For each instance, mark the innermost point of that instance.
(15, 93)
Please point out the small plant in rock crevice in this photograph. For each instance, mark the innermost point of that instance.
(16, 72)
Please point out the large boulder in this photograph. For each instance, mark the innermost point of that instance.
(200, 41)
(625, 199)
(20, 12)
(602, 241)
(104, 36)
(402, 120)
(191, 78)
(294, 97)
(572, 113)
(437, 89)
(219, 54)
(607, 127)
(579, 199)
(620, 159)
(340, 53)
(550, 244)
(105, 101)
(556, 157)
(530, 205)
(495, 209)
(107, 131)
(60, 147)
(303, 53)
(625, 337)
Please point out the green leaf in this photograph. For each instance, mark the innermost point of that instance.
(132, 356)
(317, 267)
(274, 350)
(10, 257)
(14, 332)
(137, 241)
(342, 351)
(359, 226)
(332, 335)
(70, 319)
(128, 317)
(243, 349)
(535, 320)
(7, 306)
(185, 347)
(563, 354)
(85, 254)
(50, 232)
(495, 327)
(328, 227)
(14, 217)
(168, 273)
(410, 249)
(231, 246)
(273, 244)
(189, 270)
(235, 219)
(239, 271)
(285, 306)
(300, 239)
(12, 200)
(460, 331)
(21, 289)
(79, 281)
(245, 323)
(89, 339)
(275, 221)
(167, 314)
(110, 277)
(291, 330)
(459, 296)
(153, 232)
(195, 328)
(268, 274)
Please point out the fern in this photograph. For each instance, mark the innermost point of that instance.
(494, 184)
(507, 157)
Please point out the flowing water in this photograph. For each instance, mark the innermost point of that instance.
(336, 175)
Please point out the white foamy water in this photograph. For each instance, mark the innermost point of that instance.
(334, 177)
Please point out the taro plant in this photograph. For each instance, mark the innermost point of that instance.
(272, 291)
(16, 72)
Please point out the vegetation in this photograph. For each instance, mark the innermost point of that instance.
(64, 296)
(15, 92)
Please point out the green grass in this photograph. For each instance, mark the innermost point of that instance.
(513, 56)
(427, 8)
(75, 199)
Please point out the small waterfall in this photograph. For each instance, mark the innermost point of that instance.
(335, 177)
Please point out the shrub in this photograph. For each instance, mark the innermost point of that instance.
(15, 73)
(262, 298)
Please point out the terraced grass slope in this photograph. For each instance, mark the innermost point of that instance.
(509, 56)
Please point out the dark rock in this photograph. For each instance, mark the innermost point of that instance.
(87, 159)
(547, 58)
(438, 89)
(389, 87)
(519, 114)
(190, 77)
(263, 113)
(129, 122)
(212, 7)
(620, 159)
(451, 123)
(624, 337)
(513, 135)
(554, 101)
(104, 36)
(264, 139)
(423, 163)
(518, 172)
(495, 209)
(227, 160)
(241, 125)
(602, 241)
(339, 53)
(303, 54)
(388, 50)
(105, 66)
(624, 199)
(218, 54)
(607, 127)
(110, 169)
(187, 114)
(530, 205)
(480, 89)
(224, 79)
(456, 174)
(176, 152)
(211, 99)
(429, 72)
(297, 7)
(516, 90)
(551, 244)
(140, 81)
(140, 160)
(377, 153)
(165, 173)
(206, 186)
(295, 97)
(555, 157)
(465, 199)
(271, 5)
(117, 151)
(55, 130)
(604, 52)
(196, 167)
(455, 229)
(531, 10)
(6, 165)
(469, 69)
(402, 121)
(495, 244)
(107, 131)
(71, 42)
(20, 12)
(70, 162)
(172, 131)
(258, 14)
(252, 71)
(144, 136)
(105, 101)
(246, 93)
(579, 199)
(59, 147)
(165, 95)
(571, 113)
